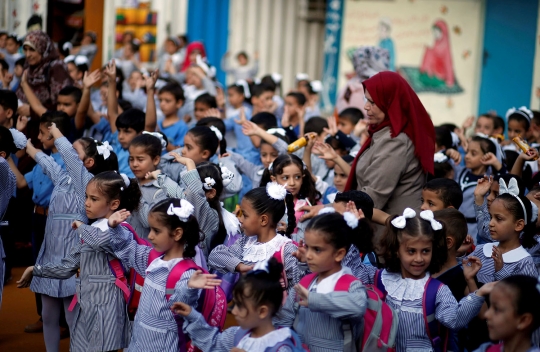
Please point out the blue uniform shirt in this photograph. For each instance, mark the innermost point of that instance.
(41, 184)
(122, 155)
(175, 133)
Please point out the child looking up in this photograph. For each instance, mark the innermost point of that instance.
(243, 71)
(171, 99)
(293, 117)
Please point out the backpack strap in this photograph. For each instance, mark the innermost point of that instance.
(280, 257)
(176, 273)
(434, 329)
(153, 255)
(377, 281)
(495, 348)
(307, 280)
(121, 280)
(343, 284)
(239, 335)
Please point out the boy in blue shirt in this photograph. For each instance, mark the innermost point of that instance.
(171, 99)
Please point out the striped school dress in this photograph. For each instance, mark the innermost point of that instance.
(151, 194)
(154, 328)
(8, 185)
(101, 322)
(60, 239)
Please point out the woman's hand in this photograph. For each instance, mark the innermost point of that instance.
(482, 188)
(54, 131)
(243, 268)
(302, 294)
(203, 281)
(26, 278)
(454, 155)
(325, 151)
(471, 267)
(118, 217)
(497, 258)
(181, 309)
(152, 175)
(190, 164)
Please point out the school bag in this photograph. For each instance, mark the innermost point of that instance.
(212, 304)
(294, 343)
(438, 334)
(380, 320)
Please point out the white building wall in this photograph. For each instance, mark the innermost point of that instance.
(287, 44)
(15, 13)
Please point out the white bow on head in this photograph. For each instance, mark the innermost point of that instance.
(183, 212)
(401, 221)
(244, 84)
(158, 136)
(279, 131)
(327, 210)
(105, 150)
(209, 183)
(262, 266)
(428, 216)
(512, 188)
(217, 132)
(440, 158)
(227, 176)
(276, 191)
(276, 77)
(126, 180)
(350, 219)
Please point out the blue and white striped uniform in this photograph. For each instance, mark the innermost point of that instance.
(225, 259)
(151, 194)
(320, 325)
(405, 296)
(8, 185)
(60, 239)
(154, 328)
(102, 322)
(482, 221)
(516, 262)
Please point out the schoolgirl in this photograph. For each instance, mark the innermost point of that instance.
(519, 125)
(101, 322)
(262, 209)
(257, 298)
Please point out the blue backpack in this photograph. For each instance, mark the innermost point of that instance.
(294, 343)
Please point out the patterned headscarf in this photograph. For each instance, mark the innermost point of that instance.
(370, 60)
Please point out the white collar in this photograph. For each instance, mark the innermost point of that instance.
(271, 339)
(160, 263)
(402, 289)
(515, 255)
(255, 251)
(328, 284)
(102, 224)
(331, 197)
(260, 172)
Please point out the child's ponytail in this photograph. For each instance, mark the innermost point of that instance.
(103, 160)
(291, 218)
(118, 186)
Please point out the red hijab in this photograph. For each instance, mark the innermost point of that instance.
(438, 59)
(404, 113)
(189, 49)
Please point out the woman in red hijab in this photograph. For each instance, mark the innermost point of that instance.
(393, 164)
(192, 50)
(437, 62)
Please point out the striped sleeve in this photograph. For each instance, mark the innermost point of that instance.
(206, 337)
(225, 259)
(52, 169)
(170, 187)
(75, 167)
(364, 272)
(456, 315)
(286, 315)
(95, 238)
(482, 219)
(236, 184)
(67, 267)
(524, 267)
(244, 166)
(182, 293)
(341, 305)
(291, 265)
(129, 251)
(281, 146)
(8, 183)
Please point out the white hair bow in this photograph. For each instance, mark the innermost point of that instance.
(327, 210)
(401, 221)
(428, 216)
(19, 139)
(350, 219)
(279, 131)
(67, 46)
(440, 158)
(69, 58)
(209, 70)
(227, 176)
(81, 60)
(302, 76)
(276, 77)
(217, 132)
(513, 190)
(127, 182)
(105, 150)
(209, 183)
(316, 86)
(523, 111)
(158, 136)
(276, 191)
(183, 212)
(270, 166)
(262, 266)
(244, 84)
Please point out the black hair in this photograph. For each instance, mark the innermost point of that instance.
(191, 232)
(307, 190)
(334, 229)
(72, 91)
(175, 89)
(307, 84)
(514, 206)
(7, 144)
(184, 38)
(262, 203)
(315, 124)
(131, 118)
(220, 125)
(486, 144)
(60, 118)
(4, 65)
(207, 100)
(8, 100)
(450, 126)
(270, 83)
(500, 123)
(299, 97)
(279, 136)
(208, 169)
(351, 114)
(244, 54)
(536, 117)
(21, 62)
(15, 39)
(124, 104)
(100, 163)
(151, 144)
(205, 138)
(259, 89)
(112, 186)
(363, 240)
(525, 122)
(238, 88)
(443, 137)
(265, 120)
(34, 20)
(448, 191)
(134, 46)
(414, 227)
(441, 170)
(526, 294)
(493, 118)
(455, 224)
(261, 287)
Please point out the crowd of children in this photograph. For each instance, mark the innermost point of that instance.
(163, 200)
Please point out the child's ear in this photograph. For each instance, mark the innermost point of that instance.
(450, 207)
(340, 254)
(205, 154)
(263, 311)
(9, 113)
(3, 155)
(519, 225)
(264, 220)
(178, 233)
(115, 204)
(179, 103)
(156, 160)
(450, 242)
(89, 163)
(525, 321)
(272, 178)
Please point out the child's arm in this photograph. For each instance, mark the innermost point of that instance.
(517, 169)
(33, 101)
(251, 130)
(228, 259)
(21, 180)
(491, 160)
(480, 207)
(112, 101)
(379, 216)
(291, 265)
(326, 152)
(244, 166)
(236, 184)
(151, 119)
(84, 106)
(286, 315)
(67, 267)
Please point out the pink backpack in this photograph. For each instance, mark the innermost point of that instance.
(380, 320)
(212, 304)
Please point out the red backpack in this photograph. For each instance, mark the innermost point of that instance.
(380, 320)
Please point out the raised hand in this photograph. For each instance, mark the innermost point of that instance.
(471, 267)
(466, 246)
(110, 71)
(301, 295)
(118, 217)
(250, 128)
(152, 175)
(530, 155)
(310, 211)
(468, 122)
(190, 164)
(90, 79)
(454, 155)
(212, 113)
(22, 121)
(300, 253)
(203, 281)
(497, 258)
(26, 278)
(351, 208)
(486, 288)
(181, 309)
(482, 188)
(54, 131)
(242, 117)
(150, 80)
(332, 126)
(325, 151)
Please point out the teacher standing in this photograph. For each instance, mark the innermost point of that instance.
(393, 164)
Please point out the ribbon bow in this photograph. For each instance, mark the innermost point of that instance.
(209, 183)
(105, 149)
(512, 188)
(428, 216)
(276, 191)
(183, 212)
(262, 266)
(244, 84)
(350, 219)
(217, 132)
(440, 158)
(279, 131)
(401, 221)
(227, 176)
(158, 136)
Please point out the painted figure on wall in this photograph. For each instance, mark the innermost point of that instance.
(386, 42)
(437, 69)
